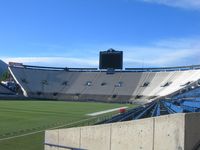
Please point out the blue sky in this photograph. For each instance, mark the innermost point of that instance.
(72, 32)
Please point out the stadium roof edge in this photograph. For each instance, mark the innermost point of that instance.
(158, 69)
(177, 68)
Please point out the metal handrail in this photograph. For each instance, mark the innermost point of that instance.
(62, 146)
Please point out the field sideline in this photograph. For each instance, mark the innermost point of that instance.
(24, 117)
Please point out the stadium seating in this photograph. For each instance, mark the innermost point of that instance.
(189, 101)
(98, 85)
(3, 68)
(5, 90)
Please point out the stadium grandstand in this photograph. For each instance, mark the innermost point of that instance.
(132, 85)
(6, 88)
(159, 91)
(3, 68)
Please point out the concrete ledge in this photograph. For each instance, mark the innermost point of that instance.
(170, 132)
(130, 135)
(192, 131)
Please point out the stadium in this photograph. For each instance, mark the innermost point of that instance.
(99, 75)
(111, 96)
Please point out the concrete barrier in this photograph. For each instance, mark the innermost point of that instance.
(96, 137)
(52, 138)
(170, 132)
(192, 131)
(130, 135)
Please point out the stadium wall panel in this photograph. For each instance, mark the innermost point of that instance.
(170, 132)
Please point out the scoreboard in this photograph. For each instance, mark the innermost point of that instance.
(111, 59)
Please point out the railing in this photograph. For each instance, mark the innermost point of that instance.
(159, 69)
(54, 68)
(145, 111)
(62, 146)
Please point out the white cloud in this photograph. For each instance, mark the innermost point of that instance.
(171, 52)
(53, 61)
(188, 4)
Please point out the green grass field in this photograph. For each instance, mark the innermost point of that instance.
(22, 117)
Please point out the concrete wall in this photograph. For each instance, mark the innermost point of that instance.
(132, 135)
(192, 132)
(170, 132)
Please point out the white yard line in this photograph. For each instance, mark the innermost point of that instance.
(39, 131)
(105, 111)
(65, 125)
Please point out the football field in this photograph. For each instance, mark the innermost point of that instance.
(22, 123)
